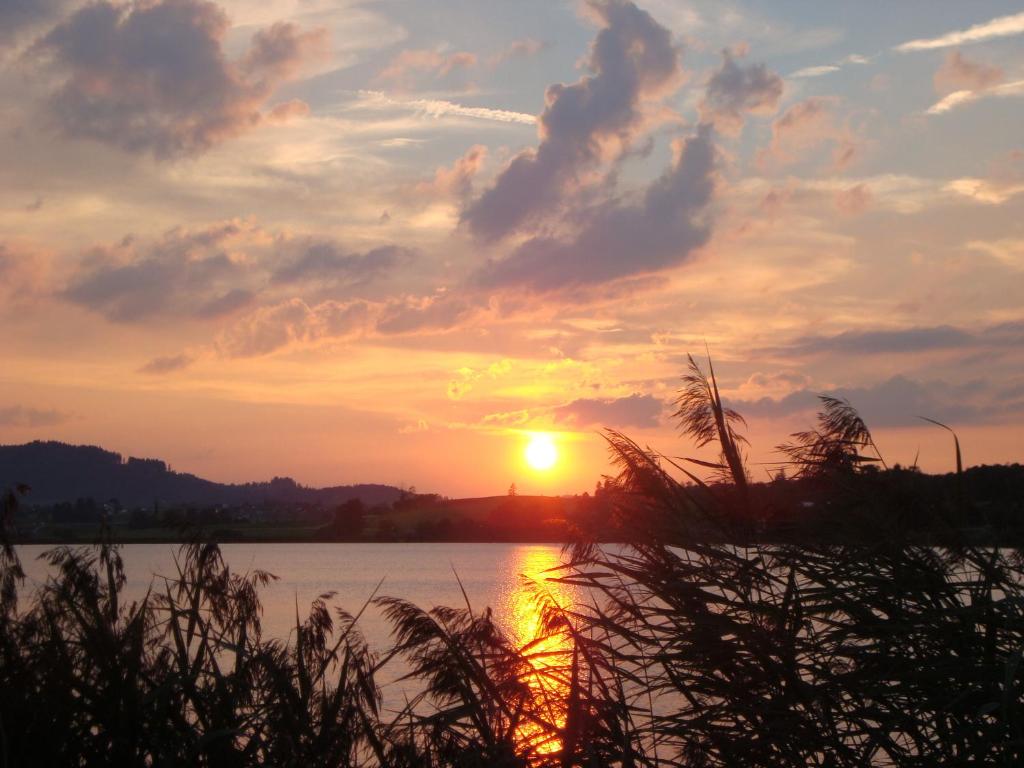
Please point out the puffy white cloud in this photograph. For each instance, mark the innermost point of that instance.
(961, 98)
(1004, 26)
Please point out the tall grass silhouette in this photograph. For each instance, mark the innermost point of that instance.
(696, 642)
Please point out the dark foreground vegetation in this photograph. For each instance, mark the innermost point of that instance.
(693, 649)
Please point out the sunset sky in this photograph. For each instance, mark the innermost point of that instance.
(387, 241)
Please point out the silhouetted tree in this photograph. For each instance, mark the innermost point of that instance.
(349, 520)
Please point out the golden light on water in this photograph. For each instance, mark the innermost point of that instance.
(541, 453)
(549, 653)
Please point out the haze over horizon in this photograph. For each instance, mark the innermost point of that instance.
(387, 242)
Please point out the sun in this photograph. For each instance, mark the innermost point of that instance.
(541, 453)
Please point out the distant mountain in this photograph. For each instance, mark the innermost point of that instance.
(59, 472)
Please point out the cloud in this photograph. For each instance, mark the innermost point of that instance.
(854, 200)
(19, 18)
(804, 126)
(434, 313)
(153, 77)
(818, 71)
(22, 416)
(220, 270)
(1004, 26)
(325, 261)
(169, 364)
(517, 49)
(827, 69)
(413, 69)
(639, 411)
(271, 328)
(182, 273)
(439, 108)
(286, 111)
(960, 98)
(226, 303)
(992, 192)
(22, 275)
(463, 383)
(1008, 251)
(958, 73)
(906, 340)
(886, 341)
(633, 61)
(735, 90)
(894, 402)
(619, 240)
(457, 180)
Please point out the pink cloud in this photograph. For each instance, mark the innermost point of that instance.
(805, 126)
(277, 326)
(853, 201)
(286, 111)
(416, 68)
(456, 180)
(958, 73)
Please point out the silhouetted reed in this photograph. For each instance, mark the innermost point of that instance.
(696, 642)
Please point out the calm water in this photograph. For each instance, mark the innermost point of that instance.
(492, 575)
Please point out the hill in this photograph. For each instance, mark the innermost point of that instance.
(58, 472)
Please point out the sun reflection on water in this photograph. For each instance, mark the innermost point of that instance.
(548, 650)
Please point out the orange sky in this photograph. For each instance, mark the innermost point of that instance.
(376, 242)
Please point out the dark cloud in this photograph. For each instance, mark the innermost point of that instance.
(621, 240)
(184, 273)
(326, 261)
(734, 90)
(18, 18)
(21, 416)
(438, 313)
(633, 59)
(168, 364)
(219, 270)
(895, 402)
(152, 77)
(226, 304)
(639, 411)
(907, 340)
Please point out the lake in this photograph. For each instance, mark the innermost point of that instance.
(492, 575)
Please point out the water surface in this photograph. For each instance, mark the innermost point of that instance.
(492, 575)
